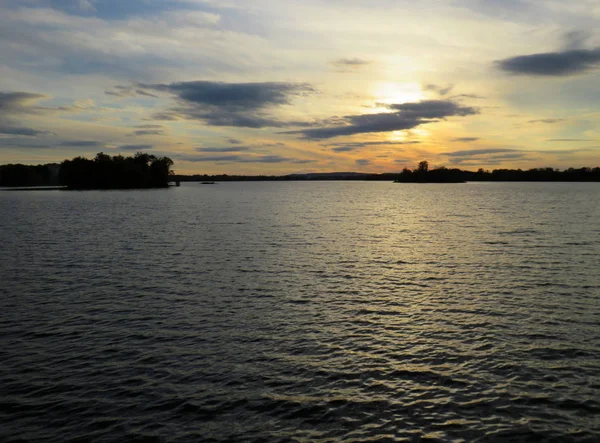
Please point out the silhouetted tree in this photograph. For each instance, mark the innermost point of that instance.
(117, 172)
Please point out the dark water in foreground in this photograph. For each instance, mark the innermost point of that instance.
(302, 312)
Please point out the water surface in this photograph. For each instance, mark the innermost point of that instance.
(302, 311)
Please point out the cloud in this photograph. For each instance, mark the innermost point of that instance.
(465, 96)
(150, 126)
(405, 116)
(142, 132)
(465, 139)
(349, 64)
(569, 140)
(45, 143)
(576, 39)
(148, 129)
(81, 144)
(129, 91)
(235, 96)
(347, 147)
(235, 158)
(12, 102)
(344, 148)
(224, 149)
(8, 129)
(379, 143)
(471, 152)
(228, 104)
(547, 120)
(489, 156)
(493, 156)
(441, 90)
(433, 109)
(135, 147)
(362, 162)
(552, 64)
(234, 141)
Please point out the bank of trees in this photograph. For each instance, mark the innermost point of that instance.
(117, 172)
(437, 175)
(28, 175)
(424, 174)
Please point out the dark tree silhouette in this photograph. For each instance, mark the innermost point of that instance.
(444, 175)
(117, 172)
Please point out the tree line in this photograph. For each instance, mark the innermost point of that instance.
(117, 172)
(445, 175)
(147, 171)
(423, 174)
(102, 172)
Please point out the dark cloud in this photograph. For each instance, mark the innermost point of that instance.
(303, 161)
(148, 129)
(441, 90)
(234, 141)
(228, 104)
(122, 91)
(351, 62)
(224, 149)
(167, 116)
(347, 147)
(12, 102)
(465, 139)
(234, 96)
(405, 116)
(150, 126)
(135, 147)
(344, 148)
(129, 91)
(81, 144)
(472, 152)
(8, 129)
(433, 109)
(490, 156)
(142, 132)
(576, 39)
(44, 143)
(380, 143)
(235, 158)
(220, 117)
(362, 162)
(557, 64)
(466, 96)
(547, 120)
(145, 94)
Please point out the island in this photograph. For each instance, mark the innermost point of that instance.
(424, 175)
(139, 171)
(148, 171)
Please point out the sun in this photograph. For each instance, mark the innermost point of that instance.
(398, 93)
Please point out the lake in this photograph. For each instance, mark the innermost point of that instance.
(300, 312)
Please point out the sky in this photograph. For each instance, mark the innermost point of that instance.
(286, 86)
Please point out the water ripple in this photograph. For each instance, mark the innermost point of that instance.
(301, 312)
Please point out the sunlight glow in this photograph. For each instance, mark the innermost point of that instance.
(398, 93)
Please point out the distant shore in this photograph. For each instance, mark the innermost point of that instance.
(66, 188)
(145, 171)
